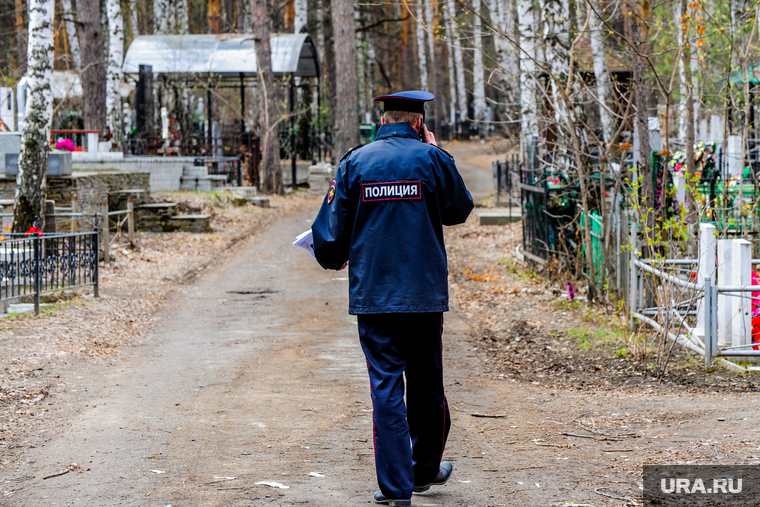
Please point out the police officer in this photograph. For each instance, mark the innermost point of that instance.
(384, 213)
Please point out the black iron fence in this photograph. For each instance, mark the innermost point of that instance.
(505, 175)
(35, 264)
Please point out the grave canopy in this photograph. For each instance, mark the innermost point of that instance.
(230, 55)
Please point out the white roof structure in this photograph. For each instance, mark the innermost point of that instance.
(225, 55)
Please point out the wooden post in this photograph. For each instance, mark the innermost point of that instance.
(106, 233)
(74, 211)
(131, 221)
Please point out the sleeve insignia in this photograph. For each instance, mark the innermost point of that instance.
(331, 192)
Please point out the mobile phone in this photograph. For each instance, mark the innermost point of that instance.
(423, 137)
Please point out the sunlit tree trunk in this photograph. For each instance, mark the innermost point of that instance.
(268, 115)
(114, 73)
(29, 203)
(478, 86)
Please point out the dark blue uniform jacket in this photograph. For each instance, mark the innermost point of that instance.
(385, 213)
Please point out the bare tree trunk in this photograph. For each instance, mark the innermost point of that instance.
(181, 17)
(134, 21)
(458, 63)
(689, 137)
(114, 75)
(71, 32)
(268, 115)
(93, 63)
(478, 85)
(29, 205)
(421, 55)
(528, 103)
(556, 39)
(448, 23)
(301, 13)
(330, 74)
(161, 17)
(247, 24)
(346, 127)
(215, 21)
(435, 77)
(21, 36)
(601, 72)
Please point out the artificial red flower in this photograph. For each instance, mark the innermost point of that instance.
(34, 230)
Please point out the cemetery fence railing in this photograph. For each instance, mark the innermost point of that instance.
(37, 263)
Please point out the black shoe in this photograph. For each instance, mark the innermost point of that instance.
(444, 473)
(380, 498)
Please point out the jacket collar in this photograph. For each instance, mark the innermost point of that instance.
(396, 130)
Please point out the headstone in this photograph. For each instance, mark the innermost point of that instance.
(320, 176)
(716, 129)
(92, 142)
(734, 155)
(734, 310)
(702, 130)
(59, 164)
(655, 142)
(706, 269)
(10, 142)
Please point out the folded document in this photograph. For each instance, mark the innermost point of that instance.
(306, 241)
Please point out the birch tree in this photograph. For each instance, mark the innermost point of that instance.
(267, 106)
(114, 73)
(556, 39)
(458, 63)
(344, 35)
(421, 56)
(526, 19)
(478, 86)
(601, 72)
(448, 27)
(171, 17)
(299, 21)
(71, 33)
(29, 205)
(134, 21)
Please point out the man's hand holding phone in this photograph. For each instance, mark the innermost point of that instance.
(428, 136)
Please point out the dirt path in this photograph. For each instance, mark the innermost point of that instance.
(255, 374)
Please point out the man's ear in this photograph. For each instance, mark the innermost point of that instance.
(382, 120)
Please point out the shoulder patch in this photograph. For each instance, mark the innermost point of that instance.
(349, 152)
(446, 152)
(331, 192)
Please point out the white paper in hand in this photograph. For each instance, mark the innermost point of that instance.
(306, 241)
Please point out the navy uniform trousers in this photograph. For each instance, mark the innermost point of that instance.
(409, 438)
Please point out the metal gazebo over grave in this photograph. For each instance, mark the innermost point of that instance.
(172, 69)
